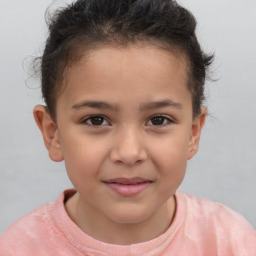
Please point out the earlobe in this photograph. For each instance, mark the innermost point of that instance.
(49, 131)
(197, 126)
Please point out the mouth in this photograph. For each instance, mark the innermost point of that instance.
(128, 187)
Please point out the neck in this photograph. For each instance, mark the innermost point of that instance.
(109, 231)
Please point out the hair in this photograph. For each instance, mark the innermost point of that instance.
(86, 24)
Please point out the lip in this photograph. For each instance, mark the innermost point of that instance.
(128, 186)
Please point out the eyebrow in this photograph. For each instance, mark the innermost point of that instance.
(160, 104)
(143, 107)
(95, 104)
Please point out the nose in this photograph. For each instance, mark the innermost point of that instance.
(128, 148)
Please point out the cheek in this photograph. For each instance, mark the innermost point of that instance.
(170, 157)
(173, 147)
(83, 159)
(171, 171)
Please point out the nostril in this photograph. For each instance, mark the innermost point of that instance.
(128, 157)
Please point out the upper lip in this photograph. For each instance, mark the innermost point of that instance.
(128, 181)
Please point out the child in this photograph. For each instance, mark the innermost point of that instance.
(123, 83)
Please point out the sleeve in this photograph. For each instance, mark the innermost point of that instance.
(235, 233)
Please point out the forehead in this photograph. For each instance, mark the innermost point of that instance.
(143, 54)
(118, 72)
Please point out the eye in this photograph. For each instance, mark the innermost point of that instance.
(96, 121)
(159, 120)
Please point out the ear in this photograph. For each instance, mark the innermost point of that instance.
(197, 126)
(49, 131)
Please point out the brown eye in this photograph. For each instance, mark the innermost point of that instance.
(96, 121)
(159, 121)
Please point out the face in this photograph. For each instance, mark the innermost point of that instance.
(125, 130)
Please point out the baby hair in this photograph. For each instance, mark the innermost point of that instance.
(87, 24)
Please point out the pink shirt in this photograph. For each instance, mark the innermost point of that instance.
(200, 227)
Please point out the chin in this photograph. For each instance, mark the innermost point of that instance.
(130, 216)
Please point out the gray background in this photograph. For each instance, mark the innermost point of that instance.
(224, 170)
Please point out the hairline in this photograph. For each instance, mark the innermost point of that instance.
(83, 51)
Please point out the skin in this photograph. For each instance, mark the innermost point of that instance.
(126, 140)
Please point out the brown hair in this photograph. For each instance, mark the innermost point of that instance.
(86, 23)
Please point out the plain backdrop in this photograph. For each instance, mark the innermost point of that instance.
(224, 169)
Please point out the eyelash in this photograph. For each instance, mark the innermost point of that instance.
(165, 118)
(167, 121)
(86, 120)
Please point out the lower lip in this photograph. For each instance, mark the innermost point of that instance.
(128, 190)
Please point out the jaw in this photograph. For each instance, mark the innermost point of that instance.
(127, 222)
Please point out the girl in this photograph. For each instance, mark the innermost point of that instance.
(123, 83)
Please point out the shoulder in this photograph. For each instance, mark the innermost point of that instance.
(37, 232)
(217, 223)
(212, 211)
(28, 229)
